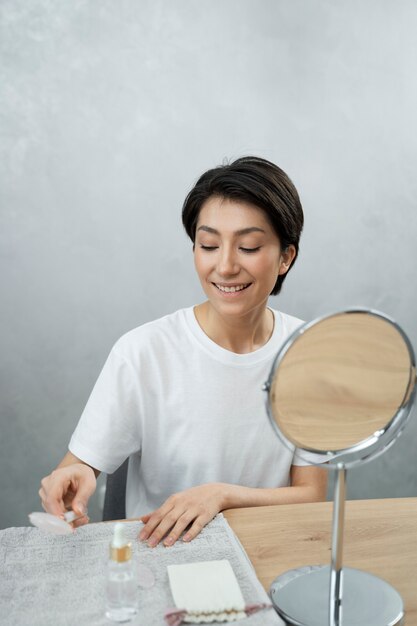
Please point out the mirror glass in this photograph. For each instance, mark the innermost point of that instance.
(341, 380)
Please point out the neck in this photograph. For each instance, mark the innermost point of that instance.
(242, 334)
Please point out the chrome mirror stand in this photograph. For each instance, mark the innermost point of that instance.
(336, 572)
(302, 598)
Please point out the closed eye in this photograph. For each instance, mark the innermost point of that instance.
(249, 250)
(246, 250)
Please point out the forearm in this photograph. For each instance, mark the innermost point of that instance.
(195, 507)
(236, 496)
(308, 484)
(70, 459)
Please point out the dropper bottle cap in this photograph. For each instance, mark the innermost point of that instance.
(120, 548)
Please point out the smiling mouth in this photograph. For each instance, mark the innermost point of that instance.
(232, 289)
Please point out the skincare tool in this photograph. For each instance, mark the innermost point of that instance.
(54, 524)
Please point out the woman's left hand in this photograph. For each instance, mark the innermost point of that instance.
(196, 506)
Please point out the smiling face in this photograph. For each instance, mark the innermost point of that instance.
(237, 255)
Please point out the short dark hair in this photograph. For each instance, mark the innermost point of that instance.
(258, 182)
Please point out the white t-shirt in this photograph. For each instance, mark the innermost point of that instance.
(185, 410)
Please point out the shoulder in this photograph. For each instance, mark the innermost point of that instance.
(288, 323)
(152, 335)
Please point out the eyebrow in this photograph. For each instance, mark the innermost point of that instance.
(243, 231)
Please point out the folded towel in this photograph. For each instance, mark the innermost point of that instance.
(205, 592)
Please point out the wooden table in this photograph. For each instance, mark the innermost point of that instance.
(380, 537)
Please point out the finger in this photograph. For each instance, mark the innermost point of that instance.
(144, 519)
(42, 496)
(68, 498)
(197, 527)
(179, 527)
(168, 521)
(154, 519)
(82, 521)
(150, 524)
(52, 496)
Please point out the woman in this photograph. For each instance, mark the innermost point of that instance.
(181, 396)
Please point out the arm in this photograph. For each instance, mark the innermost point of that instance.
(197, 506)
(69, 486)
(70, 459)
(308, 484)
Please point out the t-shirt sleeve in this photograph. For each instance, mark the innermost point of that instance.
(109, 428)
(303, 458)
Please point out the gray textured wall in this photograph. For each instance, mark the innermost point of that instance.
(109, 111)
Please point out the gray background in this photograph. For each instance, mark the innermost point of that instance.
(111, 109)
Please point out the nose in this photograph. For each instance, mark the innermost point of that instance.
(227, 263)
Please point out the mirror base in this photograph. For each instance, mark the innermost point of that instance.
(301, 598)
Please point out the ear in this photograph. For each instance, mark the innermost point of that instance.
(287, 257)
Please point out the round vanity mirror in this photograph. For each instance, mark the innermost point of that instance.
(341, 386)
(340, 390)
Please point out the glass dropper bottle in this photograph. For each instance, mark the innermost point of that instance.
(121, 585)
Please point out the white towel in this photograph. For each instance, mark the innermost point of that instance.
(205, 592)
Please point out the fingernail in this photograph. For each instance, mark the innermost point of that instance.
(186, 537)
(81, 508)
(169, 541)
(152, 543)
(142, 536)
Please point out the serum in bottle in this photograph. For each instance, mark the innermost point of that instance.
(121, 586)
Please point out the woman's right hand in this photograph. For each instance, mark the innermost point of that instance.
(68, 488)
